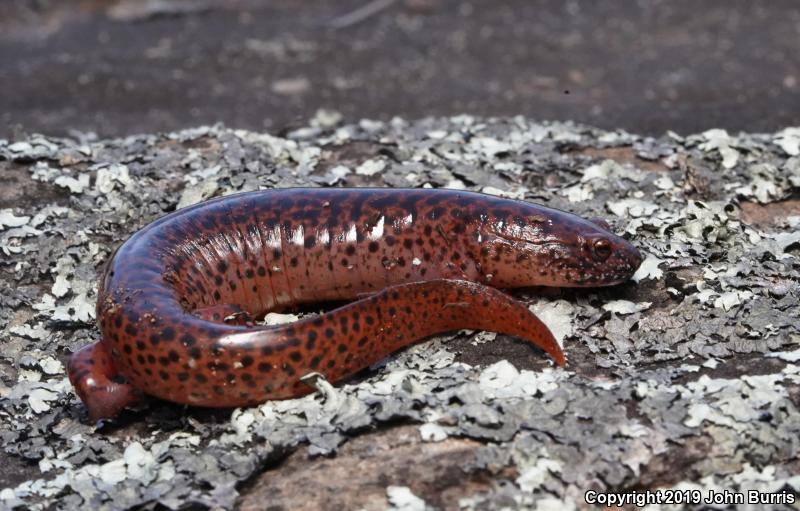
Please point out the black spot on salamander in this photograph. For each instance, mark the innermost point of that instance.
(188, 340)
(312, 339)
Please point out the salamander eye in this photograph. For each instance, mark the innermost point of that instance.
(601, 249)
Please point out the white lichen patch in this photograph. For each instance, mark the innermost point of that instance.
(649, 269)
(788, 139)
(432, 432)
(8, 219)
(371, 167)
(558, 316)
(275, 318)
(402, 499)
(625, 306)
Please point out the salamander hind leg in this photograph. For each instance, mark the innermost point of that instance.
(102, 389)
(224, 313)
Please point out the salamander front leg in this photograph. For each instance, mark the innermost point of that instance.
(102, 389)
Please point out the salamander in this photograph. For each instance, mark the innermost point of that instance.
(177, 302)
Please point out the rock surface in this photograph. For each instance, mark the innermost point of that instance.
(685, 378)
(118, 67)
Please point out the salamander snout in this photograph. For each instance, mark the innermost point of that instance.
(605, 259)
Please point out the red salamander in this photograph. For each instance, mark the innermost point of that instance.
(177, 302)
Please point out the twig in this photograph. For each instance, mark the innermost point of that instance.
(360, 14)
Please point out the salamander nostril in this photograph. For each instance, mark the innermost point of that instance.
(601, 249)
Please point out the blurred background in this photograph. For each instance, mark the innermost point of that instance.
(139, 66)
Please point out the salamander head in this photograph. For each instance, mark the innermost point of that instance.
(597, 257)
(547, 247)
